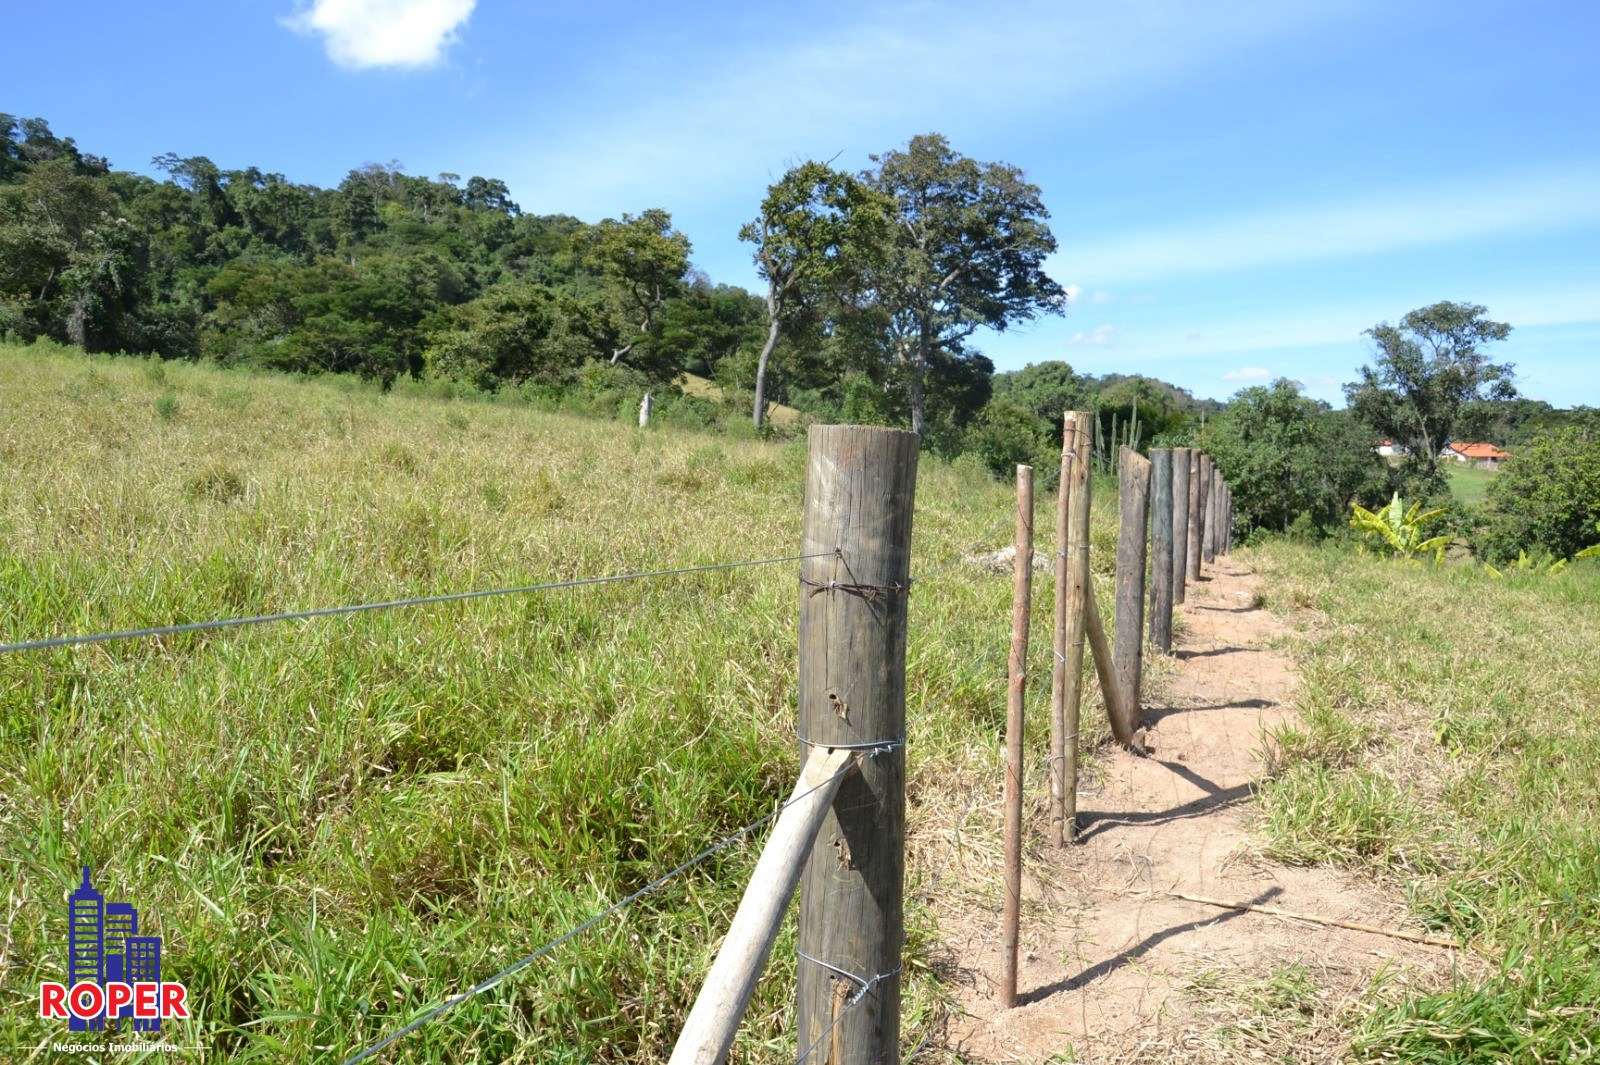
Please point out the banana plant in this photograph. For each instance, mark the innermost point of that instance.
(1525, 563)
(1401, 529)
(1593, 550)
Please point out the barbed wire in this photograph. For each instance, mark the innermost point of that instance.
(357, 608)
(613, 909)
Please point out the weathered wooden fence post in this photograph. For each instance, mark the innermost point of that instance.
(860, 486)
(1196, 513)
(1128, 634)
(1161, 548)
(1180, 522)
(1016, 689)
(1072, 598)
(1208, 531)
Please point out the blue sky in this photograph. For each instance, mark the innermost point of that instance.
(1238, 189)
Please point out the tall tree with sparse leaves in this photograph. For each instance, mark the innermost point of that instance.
(818, 230)
(1424, 371)
(967, 251)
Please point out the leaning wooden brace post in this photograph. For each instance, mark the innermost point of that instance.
(1180, 521)
(1021, 607)
(1128, 633)
(709, 1030)
(860, 486)
(1161, 548)
(1105, 668)
(1073, 595)
(1196, 513)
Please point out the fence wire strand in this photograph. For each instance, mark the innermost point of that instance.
(358, 608)
(613, 909)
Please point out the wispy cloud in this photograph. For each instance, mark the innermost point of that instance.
(1527, 203)
(1101, 336)
(383, 33)
(1248, 375)
(863, 84)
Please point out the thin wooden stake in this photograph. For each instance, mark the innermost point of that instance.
(1072, 593)
(1021, 607)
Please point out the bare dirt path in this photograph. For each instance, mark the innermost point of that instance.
(1114, 968)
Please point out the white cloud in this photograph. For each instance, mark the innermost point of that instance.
(1102, 336)
(383, 33)
(637, 125)
(1531, 202)
(1248, 373)
(1073, 292)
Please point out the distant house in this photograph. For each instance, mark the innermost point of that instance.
(1389, 449)
(1483, 456)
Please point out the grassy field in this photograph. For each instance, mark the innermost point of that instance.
(336, 823)
(1450, 741)
(1468, 483)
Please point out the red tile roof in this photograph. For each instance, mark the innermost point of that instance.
(1479, 451)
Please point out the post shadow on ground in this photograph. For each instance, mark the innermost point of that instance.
(1184, 656)
(1117, 961)
(1154, 715)
(1223, 609)
(1091, 823)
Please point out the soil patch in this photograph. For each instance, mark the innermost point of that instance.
(1116, 969)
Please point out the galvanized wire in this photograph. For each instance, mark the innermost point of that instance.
(577, 930)
(357, 608)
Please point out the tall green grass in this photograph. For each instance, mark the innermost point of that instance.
(1450, 738)
(336, 823)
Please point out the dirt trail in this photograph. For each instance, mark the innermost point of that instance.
(1116, 968)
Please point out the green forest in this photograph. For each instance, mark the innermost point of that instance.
(874, 286)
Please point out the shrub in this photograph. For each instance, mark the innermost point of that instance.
(1004, 436)
(1546, 498)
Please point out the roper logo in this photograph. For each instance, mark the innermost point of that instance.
(112, 971)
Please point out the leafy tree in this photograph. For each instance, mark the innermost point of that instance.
(708, 325)
(510, 335)
(817, 231)
(1425, 370)
(1286, 455)
(968, 249)
(1546, 498)
(645, 260)
(70, 263)
(1047, 390)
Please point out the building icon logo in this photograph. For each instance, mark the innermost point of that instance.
(113, 973)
